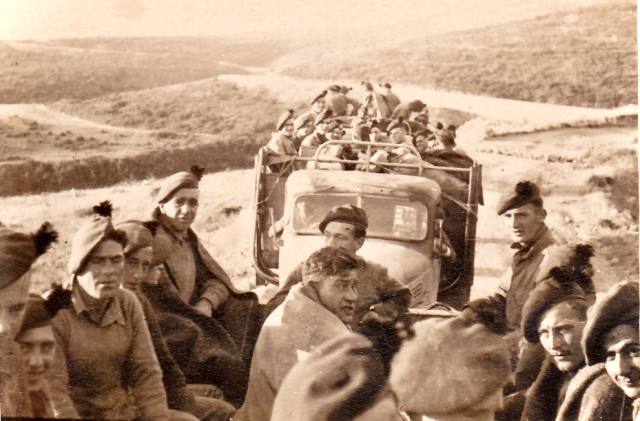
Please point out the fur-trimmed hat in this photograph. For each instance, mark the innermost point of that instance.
(18, 251)
(525, 192)
(165, 190)
(451, 365)
(620, 305)
(349, 214)
(563, 283)
(320, 96)
(39, 311)
(90, 234)
(282, 120)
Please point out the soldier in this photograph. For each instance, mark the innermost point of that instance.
(380, 296)
(336, 101)
(322, 307)
(554, 316)
(392, 99)
(405, 110)
(353, 105)
(307, 119)
(319, 135)
(374, 104)
(282, 142)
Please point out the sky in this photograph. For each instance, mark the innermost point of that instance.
(48, 19)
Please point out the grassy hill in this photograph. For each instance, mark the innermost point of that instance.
(87, 68)
(586, 57)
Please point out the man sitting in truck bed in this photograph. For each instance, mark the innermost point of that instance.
(346, 227)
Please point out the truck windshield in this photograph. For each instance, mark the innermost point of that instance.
(389, 217)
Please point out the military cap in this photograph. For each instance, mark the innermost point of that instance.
(180, 180)
(282, 120)
(18, 251)
(449, 366)
(563, 283)
(320, 96)
(399, 122)
(90, 234)
(138, 234)
(326, 114)
(524, 193)
(349, 214)
(620, 305)
(39, 311)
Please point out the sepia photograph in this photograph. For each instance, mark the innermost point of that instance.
(277, 210)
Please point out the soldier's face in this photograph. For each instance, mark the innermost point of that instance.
(12, 300)
(560, 333)
(623, 358)
(137, 267)
(182, 208)
(339, 293)
(342, 235)
(103, 272)
(36, 351)
(524, 222)
(397, 135)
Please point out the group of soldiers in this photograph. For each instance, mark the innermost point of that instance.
(148, 325)
(380, 117)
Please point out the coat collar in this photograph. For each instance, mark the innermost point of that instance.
(541, 240)
(113, 313)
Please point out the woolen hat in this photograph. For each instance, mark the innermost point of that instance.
(564, 283)
(320, 96)
(180, 180)
(89, 235)
(138, 234)
(450, 365)
(283, 119)
(18, 251)
(620, 305)
(39, 311)
(349, 214)
(524, 193)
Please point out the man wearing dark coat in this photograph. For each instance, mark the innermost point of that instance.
(195, 287)
(379, 294)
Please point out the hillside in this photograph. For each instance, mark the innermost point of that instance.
(586, 57)
(81, 69)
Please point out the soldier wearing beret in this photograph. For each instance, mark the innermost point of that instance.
(18, 251)
(322, 124)
(378, 294)
(391, 98)
(374, 104)
(336, 101)
(307, 119)
(554, 315)
(113, 371)
(282, 141)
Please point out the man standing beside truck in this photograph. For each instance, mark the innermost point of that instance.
(379, 295)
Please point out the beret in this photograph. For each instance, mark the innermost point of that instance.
(38, 311)
(334, 88)
(450, 365)
(367, 85)
(180, 180)
(320, 96)
(89, 235)
(399, 122)
(618, 306)
(349, 214)
(139, 236)
(18, 251)
(524, 193)
(284, 117)
(386, 85)
(326, 114)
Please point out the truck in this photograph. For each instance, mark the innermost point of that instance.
(422, 217)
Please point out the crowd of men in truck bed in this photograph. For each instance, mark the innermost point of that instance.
(149, 326)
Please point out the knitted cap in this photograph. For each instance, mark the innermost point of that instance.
(283, 119)
(525, 192)
(620, 305)
(449, 366)
(349, 214)
(38, 311)
(18, 251)
(180, 180)
(89, 235)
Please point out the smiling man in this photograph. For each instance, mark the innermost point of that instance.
(322, 307)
